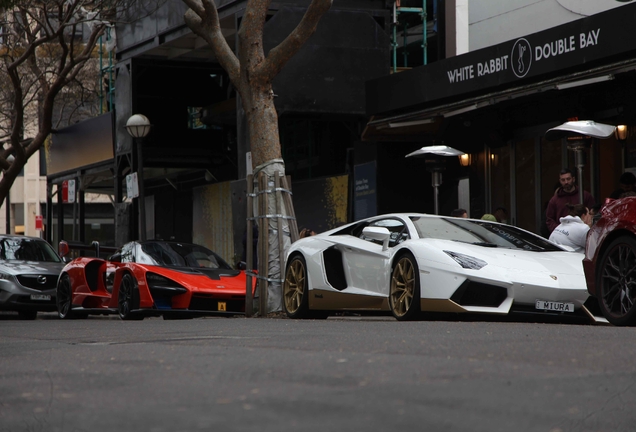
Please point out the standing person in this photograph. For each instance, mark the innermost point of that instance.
(572, 231)
(568, 193)
(501, 214)
(627, 184)
(460, 212)
(306, 232)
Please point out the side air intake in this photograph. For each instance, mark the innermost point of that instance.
(333, 268)
(479, 294)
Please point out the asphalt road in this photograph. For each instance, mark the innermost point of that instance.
(347, 373)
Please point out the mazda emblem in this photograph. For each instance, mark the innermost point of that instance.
(42, 279)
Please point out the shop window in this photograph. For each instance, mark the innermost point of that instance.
(525, 184)
(500, 180)
(195, 118)
(551, 165)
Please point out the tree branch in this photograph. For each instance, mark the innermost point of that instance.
(280, 55)
(203, 19)
(252, 54)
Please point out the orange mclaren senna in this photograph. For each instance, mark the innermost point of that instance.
(152, 278)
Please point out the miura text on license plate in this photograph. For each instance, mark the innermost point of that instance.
(554, 306)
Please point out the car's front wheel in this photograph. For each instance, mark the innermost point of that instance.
(295, 288)
(63, 300)
(128, 299)
(63, 297)
(616, 281)
(404, 293)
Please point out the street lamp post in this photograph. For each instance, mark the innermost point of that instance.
(138, 127)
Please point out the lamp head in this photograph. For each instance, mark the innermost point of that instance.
(621, 132)
(138, 126)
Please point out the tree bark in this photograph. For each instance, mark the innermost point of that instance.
(252, 73)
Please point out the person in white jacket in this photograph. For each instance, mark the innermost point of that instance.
(572, 231)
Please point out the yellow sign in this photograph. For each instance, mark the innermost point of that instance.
(222, 306)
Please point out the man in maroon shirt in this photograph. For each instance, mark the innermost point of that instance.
(568, 193)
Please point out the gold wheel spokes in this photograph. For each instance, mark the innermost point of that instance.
(402, 287)
(294, 286)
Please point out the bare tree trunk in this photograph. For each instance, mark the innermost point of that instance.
(252, 73)
(265, 146)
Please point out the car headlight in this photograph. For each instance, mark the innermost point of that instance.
(4, 276)
(156, 281)
(467, 261)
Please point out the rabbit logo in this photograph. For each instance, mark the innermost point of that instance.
(521, 58)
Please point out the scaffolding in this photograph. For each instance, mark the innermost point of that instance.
(398, 13)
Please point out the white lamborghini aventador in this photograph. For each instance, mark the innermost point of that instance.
(413, 263)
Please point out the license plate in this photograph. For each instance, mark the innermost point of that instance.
(554, 306)
(222, 306)
(40, 297)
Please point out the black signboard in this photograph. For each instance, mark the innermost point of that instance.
(365, 191)
(84, 143)
(566, 48)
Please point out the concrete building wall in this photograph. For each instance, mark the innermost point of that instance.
(491, 23)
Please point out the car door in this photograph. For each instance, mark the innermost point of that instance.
(366, 264)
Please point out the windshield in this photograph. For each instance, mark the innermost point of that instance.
(162, 253)
(482, 233)
(26, 249)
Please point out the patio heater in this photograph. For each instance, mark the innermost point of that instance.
(435, 163)
(578, 135)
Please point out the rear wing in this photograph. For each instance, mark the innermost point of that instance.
(64, 249)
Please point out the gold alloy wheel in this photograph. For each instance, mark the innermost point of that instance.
(294, 287)
(402, 287)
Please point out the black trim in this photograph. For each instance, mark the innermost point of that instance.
(479, 294)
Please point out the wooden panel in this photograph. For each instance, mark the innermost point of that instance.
(212, 219)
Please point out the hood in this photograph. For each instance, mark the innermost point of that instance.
(568, 220)
(512, 260)
(30, 267)
(212, 273)
(202, 279)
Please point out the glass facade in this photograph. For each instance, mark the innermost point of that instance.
(524, 175)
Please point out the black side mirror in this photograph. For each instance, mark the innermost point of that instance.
(241, 265)
(115, 257)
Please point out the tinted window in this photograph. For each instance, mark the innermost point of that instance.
(481, 232)
(179, 255)
(127, 253)
(27, 250)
